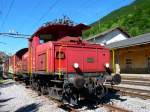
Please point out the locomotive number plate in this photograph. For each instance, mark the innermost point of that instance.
(90, 60)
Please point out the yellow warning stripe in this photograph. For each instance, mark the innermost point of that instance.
(51, 62)
(47, 60)
(59, 61)
(31, 62)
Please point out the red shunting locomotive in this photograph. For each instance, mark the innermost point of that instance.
(59, 63)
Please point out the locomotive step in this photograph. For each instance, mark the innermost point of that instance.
(57, 89)
(57, 81)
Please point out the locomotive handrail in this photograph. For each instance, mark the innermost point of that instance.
(59, 62)
(47, 60)
(30, 61)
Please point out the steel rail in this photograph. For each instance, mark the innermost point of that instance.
(114, 108)
(144, 94)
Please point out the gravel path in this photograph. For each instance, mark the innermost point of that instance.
(17, 98)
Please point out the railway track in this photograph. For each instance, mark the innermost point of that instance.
(136, 82)
(114, 108)
(141, 93)
(132, 78)
(110, 107)
(60, 104)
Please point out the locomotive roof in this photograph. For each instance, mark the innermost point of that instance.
(21, 52)
(60, 30)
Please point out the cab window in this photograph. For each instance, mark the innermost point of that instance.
(60, 55)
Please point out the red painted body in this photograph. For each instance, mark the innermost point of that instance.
(12, 64)
(15, 62)
(43, 57)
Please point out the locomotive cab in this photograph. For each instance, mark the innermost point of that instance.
(66, 67)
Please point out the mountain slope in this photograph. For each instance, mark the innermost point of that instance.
(134, 18)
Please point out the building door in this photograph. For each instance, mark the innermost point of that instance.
(128, 65)
(148, 60)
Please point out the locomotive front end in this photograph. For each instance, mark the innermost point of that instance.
(88, 71)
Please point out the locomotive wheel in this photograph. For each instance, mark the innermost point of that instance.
(70, 95)
(106, 91)
(100, 91)
(44, 90)
(34, 85)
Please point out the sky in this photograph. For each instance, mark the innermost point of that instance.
(26, 16)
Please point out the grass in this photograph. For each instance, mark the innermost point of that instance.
(2, 81)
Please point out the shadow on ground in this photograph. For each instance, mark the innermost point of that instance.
(92, 103)
(29, 108)
(6, 84)
(2, 105)
(5, 100)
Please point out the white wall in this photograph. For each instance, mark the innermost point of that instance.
(113, 36)
(118, 37)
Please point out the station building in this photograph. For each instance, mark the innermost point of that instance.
(132, 55)
(109, 36)
(128, 55)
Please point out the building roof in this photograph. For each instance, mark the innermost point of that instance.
(138, 40)
(108, 31)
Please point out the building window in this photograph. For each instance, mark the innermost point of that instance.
(128, 61)
(41, 41)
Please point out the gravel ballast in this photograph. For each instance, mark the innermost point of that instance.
(17, 98)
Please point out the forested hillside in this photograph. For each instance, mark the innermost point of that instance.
(134, 18)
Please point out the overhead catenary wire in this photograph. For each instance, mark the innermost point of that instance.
(30, 14)
(16, 35)
(46, 12)
(1, 6)
(21, 37)
(9, 10)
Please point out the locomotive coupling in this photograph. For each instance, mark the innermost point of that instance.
(115, 79)
(77, 80)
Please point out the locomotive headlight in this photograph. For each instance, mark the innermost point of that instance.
(107, 65)
(76, 65)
